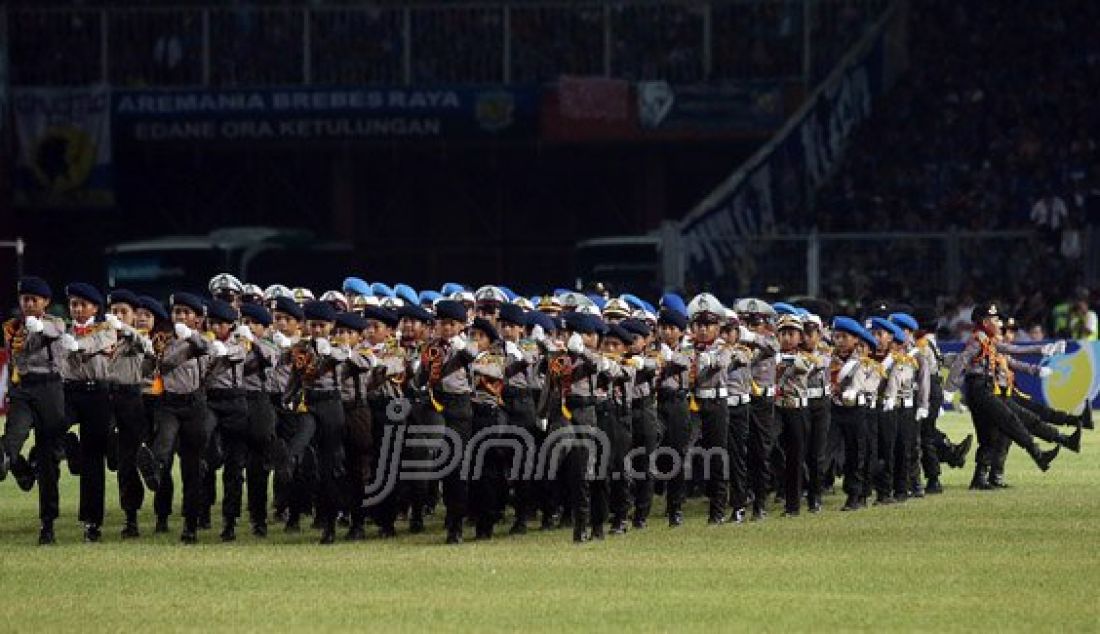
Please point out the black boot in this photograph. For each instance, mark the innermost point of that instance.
(580, 535)
(933, 487)
(23, 473)
(1044, 458)
(387, 532)
(190, 534)
(45, 534)
(1086, 416)
(259, 529)
(957, 459)
(548, 522)
(162, 524)
(356, 533)
(851, 504)
(997, 477)
(328, 532)
(130, 528)
(598, 532)
(454, 531)
(148, 468)
(519, 527)
(92, 534)
(229, 531)
(71, 445)
(1073, 441)
(3, 464)
(675, 518)
(980, 481)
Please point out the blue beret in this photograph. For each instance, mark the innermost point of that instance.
(190, 300)
(848, 325)
(356, 285)
(450, 309)
(783, 308)
(512, 314)
(537, 318)
(648, 307)
(633, 301)
(381, 290)
(583, 323)
(636, 327)
(509, 293)
(801, 312)
(319, 311)
(673, 318)
(598, 300)
(381, 314)
(288, 306)
(415, 311)
(878, 323)
(154, 306)
(221, 310)
(406, 294)
(905, 321)
(451, 288)
(558, 292)
(428, 297)
(351, 321)
(31, 285)
(869, 339)
(485, 326)
(256, 313)
(535, 299)
(86, 291)
(123, 296)
(675, 303)
(618, 332)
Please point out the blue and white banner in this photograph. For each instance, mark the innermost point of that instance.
(717, 235)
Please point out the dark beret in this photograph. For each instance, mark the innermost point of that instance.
(450, 309)
(538, 318)
(583, 323)
(123, 296)
(616, 331)
(635, 327)
(85, 291)
(221, 311)
(319, 311)
(190, 300)
(485, 326)
(415, 311)
(351, 321)
(288, 306)
(31, 285)
(381, 314)
(154, 306)
(513, 314)
(673, 318)
(256, 313)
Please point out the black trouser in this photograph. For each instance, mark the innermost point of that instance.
(992, 416)
(229, 409)
(1044, 412)
(833, 455)
(386, 461)
(458, 417)
(886, 429)
(794, 424)
(646, 432)
(487, 487)
(261, 434)
(817, 439)
(519, 409)
(130, 420)
(714, 415)
(39, 405)
(296, 429)
(904, 445)
(672, 408)
(162, 498)
(183, 418)
(579, 461)
(420, 447)
(329, 439)
(737, 446)
(90, 407)
(359, 450)
(849, 422)
(552, 472)
(869, 468)
(931, 438)
(1036, 425)
(759, 448)
(611, 494)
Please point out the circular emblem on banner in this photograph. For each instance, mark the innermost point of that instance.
(495, 110)
(62, 158)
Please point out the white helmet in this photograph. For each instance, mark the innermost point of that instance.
(302, 295)
(252, 292)
(490, 294)
(705, 304)
(523, 303)
(616, 308)
(392, 303)
(225, 283)
(337, 299)
(277, 290)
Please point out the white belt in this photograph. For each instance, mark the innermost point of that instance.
(907, 402)
(796, 403)
(738, 399)
(767, 391)
(872, 401)
(861, 400)
(817, 392)
(718, 392)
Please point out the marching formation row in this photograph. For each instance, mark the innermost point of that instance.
(627, 400)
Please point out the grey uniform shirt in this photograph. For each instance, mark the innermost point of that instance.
(901, 381)
(791, 376)
(180, 366)
(763, 366)
(713, 375)
(674, 376)
(258, 363)
(818, 378)
(92, 362)
(129, 363)
(227, 372)
(843, 376)
(739, 374)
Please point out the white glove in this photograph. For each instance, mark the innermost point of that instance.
(575, 343)
(921, 413)
(512, 350)
(183, 332)
(849, 397)
(1045, 372)
(705, 360)
(147, 345)
(244, 332)
(666, 352)
(70, 343)
(219, 349)
(537, 333)
(471, 346)
(888, 405)
(542, 422)
(281, 340)
(948, 397)
(458, 342)
(113, 321)
(1054, 349)
(324, 348)
(788, 357)
(34, 324)
(744, 335)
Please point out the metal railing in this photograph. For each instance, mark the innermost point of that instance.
(681, 41)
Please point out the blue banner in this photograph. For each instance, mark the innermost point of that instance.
(320, 113)
(1076, 376)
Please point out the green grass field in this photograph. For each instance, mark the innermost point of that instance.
(1021, 559)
